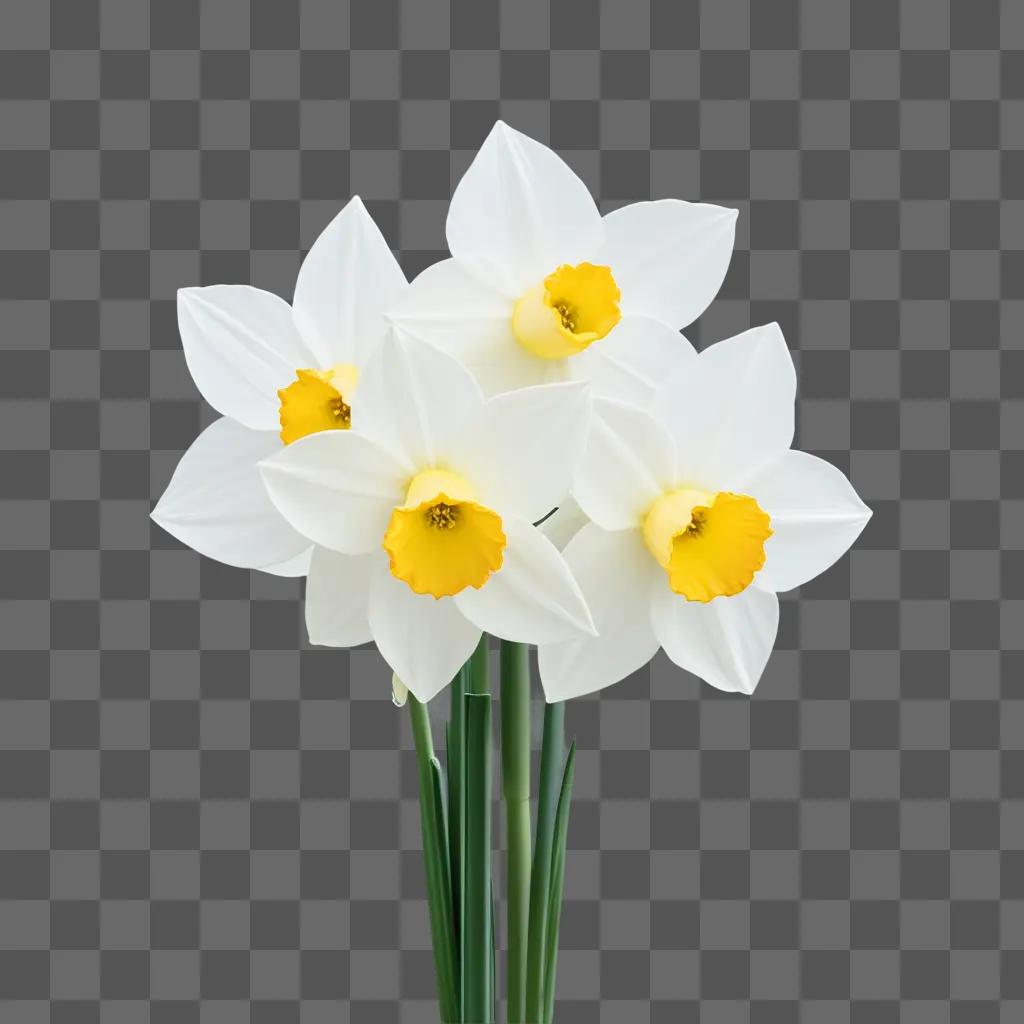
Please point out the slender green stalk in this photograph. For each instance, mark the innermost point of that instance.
(477, 930)
(551, 756)
(477, 670)
(456, 742)
(557, 884)
(435, 856)
(456, 749)
(515, 787)
(472, 676)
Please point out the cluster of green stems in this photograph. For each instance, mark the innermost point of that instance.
(455, 814)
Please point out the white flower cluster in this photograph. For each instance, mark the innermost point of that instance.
(398, 443)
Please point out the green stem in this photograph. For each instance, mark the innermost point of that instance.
(476, 670)
(515, 786)
(477, 930)
(456, 740)
(435, 856)
(471, 677)
(557, 884)
(551, 756)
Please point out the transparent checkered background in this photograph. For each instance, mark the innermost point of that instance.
(201, 819)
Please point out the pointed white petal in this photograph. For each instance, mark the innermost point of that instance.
(533, 597)
(292, 567)
(452, 309)
(731, 411)
(628, 461)
(815, 516)
(669, 257)
(337, 488)
(726, 641)
(240, 346)
(520, 451)
(424, 640)
(338, 598)
(564, 523)
(634, 360)
(616, 575)
(216, 503)
(519, 212)
(347, 282)
(414, 399)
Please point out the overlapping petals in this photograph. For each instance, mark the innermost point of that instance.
(337, 488)
(431, 427)
(340, 489)
(625, 639)
(519, 468)
(243, 346)
(519, 214)
(724, 426)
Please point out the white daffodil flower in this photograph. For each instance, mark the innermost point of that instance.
(423, 516)
(700, 514)
(276, 373)
(540, 287)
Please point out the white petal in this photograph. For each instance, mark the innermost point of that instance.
(815, 515)
(634, 360)
(217, 505)
(520, 451)
(338, 598)
(564, 523)
(726, 641)
(292, 567)
(241, 346)
(414, 399)
(347, 282)
(337, 488)
(424, 640)
(533, 597)
(616, 575)
(668, 257)
(450, 308)
(519, 212)
(731, 411)
(629, 460)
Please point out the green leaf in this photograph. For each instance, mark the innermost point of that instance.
(476, 932)
(551, 754)
(557, 875)
(515, 789)
(455, 745)
(435, 856)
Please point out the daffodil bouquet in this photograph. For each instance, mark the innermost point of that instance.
(518, 444)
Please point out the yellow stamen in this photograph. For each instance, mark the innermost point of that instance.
(442, 540)
(711, 545)
(569, 310)
(317, 400)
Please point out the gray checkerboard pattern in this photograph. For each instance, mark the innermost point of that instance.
(204, 820)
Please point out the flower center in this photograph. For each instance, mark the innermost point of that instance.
(569, 310)
(316, 401)
(442, 540)
(711, 545)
